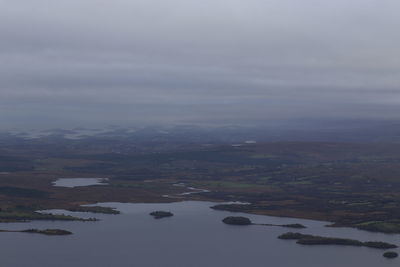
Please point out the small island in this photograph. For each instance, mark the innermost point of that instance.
(43, 232)
(305, 239)
(161, 214)
(390, 255)
(237, 220)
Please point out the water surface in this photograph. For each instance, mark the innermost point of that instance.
(75, 182)
(194, 237)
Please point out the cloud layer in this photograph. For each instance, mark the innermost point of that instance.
(211, 61)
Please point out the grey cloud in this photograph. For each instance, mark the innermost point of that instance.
(195, 61)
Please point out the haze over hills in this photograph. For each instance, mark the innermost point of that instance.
(354, 131)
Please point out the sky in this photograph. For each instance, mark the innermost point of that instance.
(84, 62)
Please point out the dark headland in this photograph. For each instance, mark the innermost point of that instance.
(305, 239)
(43, 232)
(239, 220)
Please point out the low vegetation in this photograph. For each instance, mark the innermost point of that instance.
(292, 225)
(305, 239)
(23, 192)
(94, 209)
(390, 254)
(161, 214)
(48, 231)
(25, 216)
(349, 184)
(389, 227)
(43, 232)
(237, 220)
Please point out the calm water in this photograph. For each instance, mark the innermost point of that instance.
(194, 237)
(75, 182)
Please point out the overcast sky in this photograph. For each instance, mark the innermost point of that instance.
(186, 61)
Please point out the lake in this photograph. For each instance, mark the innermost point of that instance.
(194, 237)
(75, 182)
